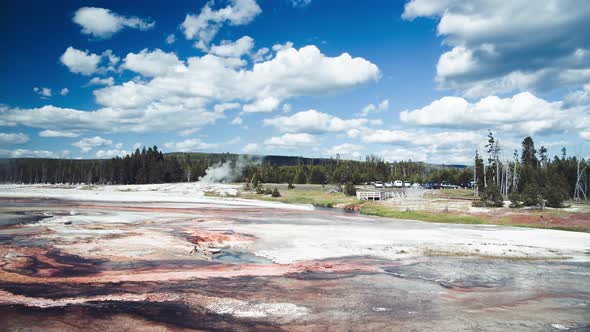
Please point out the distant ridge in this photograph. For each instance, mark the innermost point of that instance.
(278, 160)
(274, 160)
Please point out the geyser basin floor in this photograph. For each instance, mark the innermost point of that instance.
(195, 263)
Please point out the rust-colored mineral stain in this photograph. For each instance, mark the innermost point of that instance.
(208, 210)
(12, 299)
(217, 237)
(204, 272)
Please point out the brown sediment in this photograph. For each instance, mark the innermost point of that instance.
(28, 265)
(217, 237)
(563, 219)
(242, 210)
(124, 316)
(489, 299)
(14, 299)
(239, 210)
(204, 272)
(39, 262)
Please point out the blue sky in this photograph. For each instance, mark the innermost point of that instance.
(421, 80)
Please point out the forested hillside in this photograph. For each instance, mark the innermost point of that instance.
(152, 166)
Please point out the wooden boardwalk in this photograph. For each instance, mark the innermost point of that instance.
(377, 195)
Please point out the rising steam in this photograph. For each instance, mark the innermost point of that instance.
(229, 171)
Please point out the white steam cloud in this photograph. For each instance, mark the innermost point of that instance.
(229, 171)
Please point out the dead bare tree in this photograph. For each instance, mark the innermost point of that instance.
(580, 188)
(515, 176)
(475, 186)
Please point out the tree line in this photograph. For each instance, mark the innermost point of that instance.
(530, 177)
(153, 166)
(141, 167)
(337, 171)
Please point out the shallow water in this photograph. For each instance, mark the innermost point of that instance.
(239, 257)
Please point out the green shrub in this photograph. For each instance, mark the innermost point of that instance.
(478, 203)
(491, 196)
(259, 190)
(531, 195)
(290, 186)
(276, 193)
(349, 189)
(515, 199)
(554, 197)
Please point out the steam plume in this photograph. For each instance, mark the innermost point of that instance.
(229, 171)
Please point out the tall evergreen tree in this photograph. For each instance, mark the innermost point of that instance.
(529, 154)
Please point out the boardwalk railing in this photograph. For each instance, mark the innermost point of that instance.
(376, 195)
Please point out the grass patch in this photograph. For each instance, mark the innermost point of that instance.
(451, 194)
(376, 209)
(549, 212)
(317, 198)
(443, 253)
(302, 194)
(380, 210)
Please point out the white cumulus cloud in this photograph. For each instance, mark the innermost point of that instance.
(347, 150)
(103, 23)
(43, 92)
(292, 140)
(267, 104)
(251, 148)
(111, 153)
(237, 121)
(524, 113)
(204, 26)
(170, 39)
(372, 108)
(80, 62)
(502, 46)
(58, 133)
(175, 89)
(153, 63)
(101, 81)
(312, 121)
(233, 49)
(26, 153)
(87, 144)
(13, 138)
(188, 145)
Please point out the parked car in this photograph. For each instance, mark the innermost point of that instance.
(407, 184)
(446, 185)
(398, 183)
(433, 185)
(378, 184)
(388, 184)
(468, 185)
